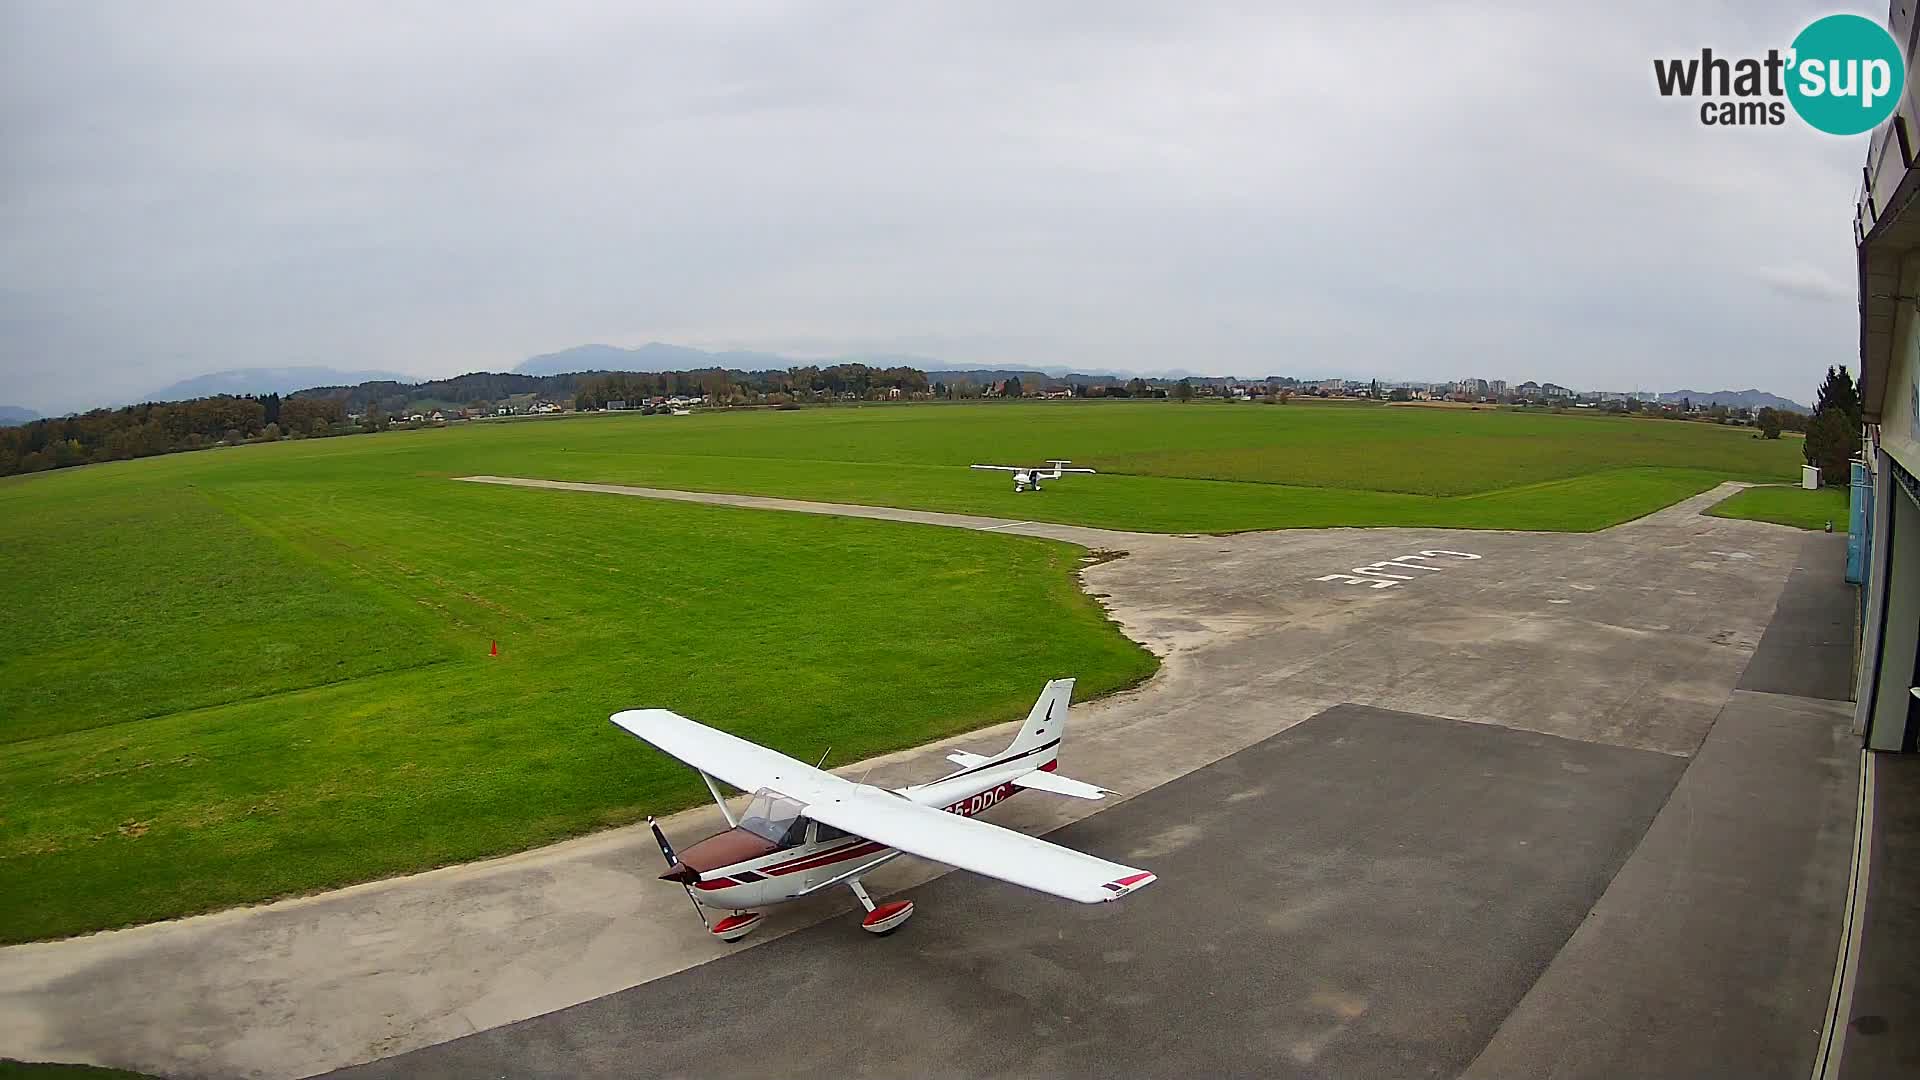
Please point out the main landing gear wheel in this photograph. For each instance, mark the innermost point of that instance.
(882, 919)
(737, 925)
(886, 918)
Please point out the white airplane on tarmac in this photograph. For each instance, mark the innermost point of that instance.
(806, 829)
(1028, 477)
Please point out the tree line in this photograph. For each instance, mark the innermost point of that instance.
(163, 428)
(152, 428)
(397, 398)
(593, 389)
(1833, 432)
(727, 386)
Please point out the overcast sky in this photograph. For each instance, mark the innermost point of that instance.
(1419, 190)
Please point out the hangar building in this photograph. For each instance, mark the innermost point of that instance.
(1887, 231)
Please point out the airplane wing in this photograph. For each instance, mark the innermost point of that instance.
(1001, 468)
(972, 844)
(886, 817)
(747, 766)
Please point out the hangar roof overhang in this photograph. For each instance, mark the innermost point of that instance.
(1886, 224)
(1887, 229)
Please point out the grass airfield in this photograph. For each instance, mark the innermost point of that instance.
(245, 673)
(1202, 467)
(243, 678)
(1793, 506)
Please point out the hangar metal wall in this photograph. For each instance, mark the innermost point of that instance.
(1887, 707)
(1887, 235)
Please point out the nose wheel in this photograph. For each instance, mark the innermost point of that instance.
(737, 925)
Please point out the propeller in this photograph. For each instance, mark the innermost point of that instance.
(666, 849)
(673, 863)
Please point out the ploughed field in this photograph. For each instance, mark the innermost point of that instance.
(258, 671)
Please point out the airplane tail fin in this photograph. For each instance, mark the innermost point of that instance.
(1037, 746)
(1046, 722)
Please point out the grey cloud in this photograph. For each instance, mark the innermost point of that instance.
(1401, 190)
(1806, 282)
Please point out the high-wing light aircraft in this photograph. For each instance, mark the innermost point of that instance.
(1028, 477)
(806, 829)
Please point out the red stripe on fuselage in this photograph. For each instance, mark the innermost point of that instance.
(778, 867)
(828, 859)
(974, 804)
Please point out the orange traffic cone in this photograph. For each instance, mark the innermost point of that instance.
(495, 649)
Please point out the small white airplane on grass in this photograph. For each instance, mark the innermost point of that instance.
(806, 829)
(1028, 477)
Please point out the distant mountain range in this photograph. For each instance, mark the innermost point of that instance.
(653, 356)
(268, 380)
(985, 376)
(14, 415)
(658, 356)
(1737, 399)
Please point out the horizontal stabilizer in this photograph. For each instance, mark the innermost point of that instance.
(966, 760)
(1060, 785)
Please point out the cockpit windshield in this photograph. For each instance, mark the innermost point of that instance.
(773, 816)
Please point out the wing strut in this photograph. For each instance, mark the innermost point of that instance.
(724, 812)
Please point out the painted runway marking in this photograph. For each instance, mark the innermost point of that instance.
(1388, 573)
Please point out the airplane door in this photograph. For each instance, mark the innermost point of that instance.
(823, 834)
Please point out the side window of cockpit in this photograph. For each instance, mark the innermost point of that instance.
(796, 833)
(823, 832)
